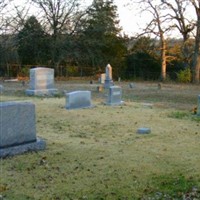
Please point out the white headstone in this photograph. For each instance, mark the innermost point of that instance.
(108, 80)
(18, 129)
(114, 96)
(41, 82)
(108, 72)
(78, 99)
(102, 78)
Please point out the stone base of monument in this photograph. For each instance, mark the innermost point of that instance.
(38, 145)
(114, 103)
(108, 84)
(45, 92)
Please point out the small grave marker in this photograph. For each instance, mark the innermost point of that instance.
(78, 99)
(144, 130)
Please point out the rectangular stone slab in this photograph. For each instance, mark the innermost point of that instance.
(78, 99)
(114, 96)
(17, 123)
(41, 78)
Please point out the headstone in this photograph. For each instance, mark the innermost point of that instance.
(198, 106)
(41, 82)
(108, 79)
(131, 85)
(18, 129)
(78, 99)
(144, 130)
(114, 96)
(102, 78)
(1, 88)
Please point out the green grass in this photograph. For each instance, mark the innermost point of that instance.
(97, 154)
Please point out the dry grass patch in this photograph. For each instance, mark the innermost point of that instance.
(97, 154)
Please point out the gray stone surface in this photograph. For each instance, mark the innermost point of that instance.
(17, 127)
(41, 82)
(108, 79)
(102, 78)
(114, 96)
(144, 130)
(1, 88)
(131, 85)
(198, 106)
(38, 145)
(78, 99)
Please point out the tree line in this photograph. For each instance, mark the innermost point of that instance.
(78, 41)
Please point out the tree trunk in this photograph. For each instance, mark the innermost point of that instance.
(196, 57)
(163, 59)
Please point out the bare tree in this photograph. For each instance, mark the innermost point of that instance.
(185, 26)
(62, 17)
(157, 27)
(196, 57)
(3, 5)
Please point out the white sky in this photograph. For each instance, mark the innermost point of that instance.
(127, 15)
(130, 17)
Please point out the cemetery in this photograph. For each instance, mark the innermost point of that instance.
(122, 142)
(99, 100)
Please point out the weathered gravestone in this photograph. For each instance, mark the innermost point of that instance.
(114, 96)
(102, 78)
(1, 88)
(108, 79)
(78, 99)
(198, 106)
(18, 129)
(41, 82)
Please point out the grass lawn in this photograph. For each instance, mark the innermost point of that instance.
(97, 154)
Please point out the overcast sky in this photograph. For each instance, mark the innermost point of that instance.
(128, 15)
(131, 20)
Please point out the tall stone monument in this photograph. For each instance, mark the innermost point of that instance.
(108, 79)
(41, 82)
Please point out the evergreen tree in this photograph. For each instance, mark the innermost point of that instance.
(32, 43)
(101, 42)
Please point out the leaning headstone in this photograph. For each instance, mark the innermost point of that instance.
(114, 96)
(1, 88)
(18, 129)
(41, 82)
(78, 99)
(144, 130)
(198, 106)
(108, 80)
